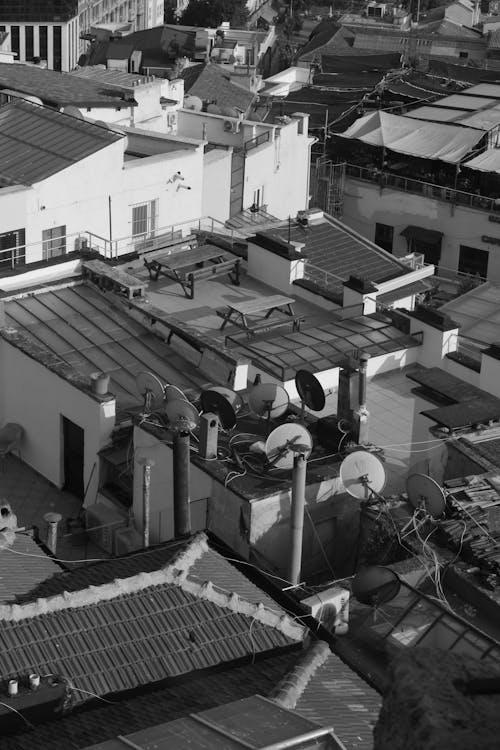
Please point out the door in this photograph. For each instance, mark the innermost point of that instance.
(73, 452)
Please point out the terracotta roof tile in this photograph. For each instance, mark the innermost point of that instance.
(21, 572)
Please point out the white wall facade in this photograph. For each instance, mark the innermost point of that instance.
(217, 184)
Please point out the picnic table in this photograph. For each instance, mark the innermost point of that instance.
(175, 266)
(239, 312)
(111, 277)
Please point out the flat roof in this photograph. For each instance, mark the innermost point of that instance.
(477, 312)
(78, 325)
(36, 142)
(462, 101)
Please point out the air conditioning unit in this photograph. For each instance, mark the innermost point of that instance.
(101, 523)
(331, 608)
(231, 126)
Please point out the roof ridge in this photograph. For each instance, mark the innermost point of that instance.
(288, 691)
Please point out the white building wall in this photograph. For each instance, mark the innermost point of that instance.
(217, 184)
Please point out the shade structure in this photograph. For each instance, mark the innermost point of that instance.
(488, 161)
(404, 135)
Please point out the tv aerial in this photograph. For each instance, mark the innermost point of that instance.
(424, 492)
(285, 442)
(310, 391)
(173, 393)
(233, 397)
(182, 416)
(216, 403)
(375, 585)
(363, 475)
(151, 389)
(268, 401)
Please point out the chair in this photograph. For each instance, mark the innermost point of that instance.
(10, 439)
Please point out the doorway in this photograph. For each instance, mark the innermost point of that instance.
(73, 455)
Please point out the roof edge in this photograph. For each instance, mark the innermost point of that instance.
(289, 690)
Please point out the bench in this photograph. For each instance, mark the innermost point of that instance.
(178, 266)
(265, 327)
(163, 241)
(111, 278)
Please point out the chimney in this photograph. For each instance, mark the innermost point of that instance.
(100, 383)
(181, 461)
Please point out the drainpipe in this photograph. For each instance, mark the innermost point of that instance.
(297, 517)
(146, 463)
(181, 460)
(52, 520)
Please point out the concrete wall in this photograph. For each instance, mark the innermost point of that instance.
(216, 190)
(271, 268)
(366, 203)
(38, 399)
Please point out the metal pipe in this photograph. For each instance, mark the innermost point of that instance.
(181, 459)
(299, 740)
(52, 520)
(363, 362)
(297, 517)
(146, 464)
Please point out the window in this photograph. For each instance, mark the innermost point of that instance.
(12, 248)
(474, 261)
(463, 54)
(384, 235)
(14, 39)
(144, 219)
(42, 32)
(57, 31)
(28, 36)
(54, 242)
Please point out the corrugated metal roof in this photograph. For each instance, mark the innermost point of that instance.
(142, 629)
(36, 142)
(23, 568)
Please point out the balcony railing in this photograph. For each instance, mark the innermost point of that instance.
(257, 141)
(426, 189)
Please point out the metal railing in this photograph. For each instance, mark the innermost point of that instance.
(257, 141)
(426, 189)
(324, 279)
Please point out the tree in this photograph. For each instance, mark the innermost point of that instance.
(211, 13)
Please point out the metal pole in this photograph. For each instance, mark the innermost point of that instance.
(52, 520)
(110, 223)
(363, 362)
(181, 459)
(297, 517)
(146, 463)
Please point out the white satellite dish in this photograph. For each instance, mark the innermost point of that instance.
(285, 442)
(363, 475)
(151, 390)
(173, 393)
(424, 491)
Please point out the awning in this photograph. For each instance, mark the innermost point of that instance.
(488, 161)
(404, 135)
(417, 287)
(429, 236)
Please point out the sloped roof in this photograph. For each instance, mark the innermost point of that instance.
(449, 143)
(478, 311)
(22, 568)
(488, 161)
(36, 142)
(179, 618)
(328, 30)
(324, 689)
(213, 83)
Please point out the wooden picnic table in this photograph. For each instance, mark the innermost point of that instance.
(238, 312)
(174, 266)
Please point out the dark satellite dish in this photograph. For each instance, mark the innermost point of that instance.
(172, 393)
(310, 391)
(424, 491)
(363, 475)
(151, 389)
(181, 415)
(375, 585)
(216, 403)
(284, 442)
(233, 397)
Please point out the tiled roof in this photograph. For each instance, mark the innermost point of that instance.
(22, 568)
(145, 628)
(98, 721)
(321, 38)
(58, 89)
(36, 142)
(324, 689)
(212, 83)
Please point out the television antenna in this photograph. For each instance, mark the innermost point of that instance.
(285, 442)
(375, 585)
(268, 401)
(216, 403)
(424, 492)
(363, 476)
(310, 392)
(151, 389)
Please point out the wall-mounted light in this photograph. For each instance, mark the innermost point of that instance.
(185, 187)
(175, 178)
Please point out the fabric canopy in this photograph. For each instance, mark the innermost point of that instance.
(488, 161)
(431, 236)
(427, 140)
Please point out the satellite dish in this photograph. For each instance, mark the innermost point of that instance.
(425, 491)
(212, 401)
(310, 391)
(182, 416)
(375, 585)
(284, 442)
(233, 397)
(172, 393)
(70, 109)
(268, 400)
(193, 102)
(362, 475)
(151, 389)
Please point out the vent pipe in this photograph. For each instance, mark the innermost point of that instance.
(52, 520)
(297, 517)
(100, 383)
(182, 511)
(146, 464)
(362, 414)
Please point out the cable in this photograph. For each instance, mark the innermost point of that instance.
(14, 710)
(482, 528)
(319, 541)
(57, 559)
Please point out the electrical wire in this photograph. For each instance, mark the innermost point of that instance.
(14, 710)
